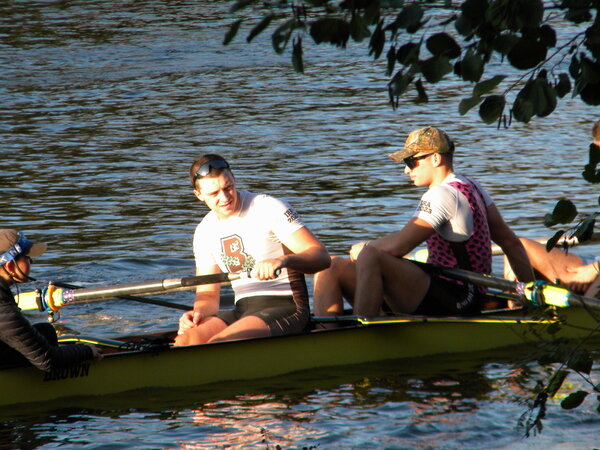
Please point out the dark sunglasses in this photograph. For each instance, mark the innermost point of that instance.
(411, 161)
(216, 164)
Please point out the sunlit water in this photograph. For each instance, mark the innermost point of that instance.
(103, 105)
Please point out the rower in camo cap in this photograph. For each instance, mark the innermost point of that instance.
(457, 219)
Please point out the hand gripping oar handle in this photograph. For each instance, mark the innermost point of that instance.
(538, 293)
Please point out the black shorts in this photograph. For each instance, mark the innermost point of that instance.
(280, 313)
(446, 297)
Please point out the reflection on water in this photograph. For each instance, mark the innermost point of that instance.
(460, 401)
(103, 106)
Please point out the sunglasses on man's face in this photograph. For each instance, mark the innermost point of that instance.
(216, 164)
(411, 161)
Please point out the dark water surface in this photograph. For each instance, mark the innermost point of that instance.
(103, 106)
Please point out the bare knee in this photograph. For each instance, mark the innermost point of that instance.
(369, 256)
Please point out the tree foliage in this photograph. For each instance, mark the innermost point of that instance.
(554, 46)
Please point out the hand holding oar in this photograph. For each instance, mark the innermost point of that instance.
(53, 298)
(536, 292)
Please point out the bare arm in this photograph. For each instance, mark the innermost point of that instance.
(401, 242)
(302, 252)
(510, 244)
(206, 302)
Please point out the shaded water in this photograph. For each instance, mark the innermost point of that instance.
(103, 105)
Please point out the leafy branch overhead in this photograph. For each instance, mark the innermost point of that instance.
(425, 43)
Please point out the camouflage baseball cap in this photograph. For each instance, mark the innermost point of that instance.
(424, 140)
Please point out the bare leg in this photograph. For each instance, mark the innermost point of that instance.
(245, 328)
(549, 266)
(379, 275)
(202, 333)
(332, 285)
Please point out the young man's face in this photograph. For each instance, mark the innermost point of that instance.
(421, 171)
(219, 194)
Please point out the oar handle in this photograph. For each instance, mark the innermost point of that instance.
(539, 293)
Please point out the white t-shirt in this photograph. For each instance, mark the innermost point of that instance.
(238, 242)
(447, 210)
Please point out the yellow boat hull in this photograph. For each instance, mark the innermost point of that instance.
(259, 358)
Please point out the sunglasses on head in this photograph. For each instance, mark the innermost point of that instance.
(216, 164)
(411, 161)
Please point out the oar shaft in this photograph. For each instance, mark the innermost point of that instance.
(473, 277)
(149, 287)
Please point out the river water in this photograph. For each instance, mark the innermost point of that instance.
(103, 106)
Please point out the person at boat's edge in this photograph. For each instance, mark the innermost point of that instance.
(579, 275)
(457, 219)
(20, 341)
(248, 232)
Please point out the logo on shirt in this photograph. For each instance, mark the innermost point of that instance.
(233, 255)
(291, 215)
(425, 206)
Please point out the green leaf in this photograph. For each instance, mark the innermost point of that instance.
(527, 53)
(590, 71)
(372, 13)
(409, 17)
(463, 26)
(543, 97)
(240, 4)
(574, 400)
(297, 60)
(486, 86)
(331, 30)
(408, 53)
(467, 103)
(233, 29)
(281, 35)
(377, 41)
(442, 44)
(590, 94)
(421, 93)
(505, 42)
(264, 23)
(471, 67)
(399, 83)
(358, 28)
(549, 220)
(522, 109)
(492, 107)
(564, 211)
(547, 36)
(435, 68)
(556, 382)
(551, 243)
(578, 15)
(563, 87)
(391, 61)
(594, 154)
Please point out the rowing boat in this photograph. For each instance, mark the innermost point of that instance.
(141, 362)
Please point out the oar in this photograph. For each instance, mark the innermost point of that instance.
(52, 299)
(551, 294)
(149, 301)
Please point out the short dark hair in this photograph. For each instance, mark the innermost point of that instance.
(199, 162)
